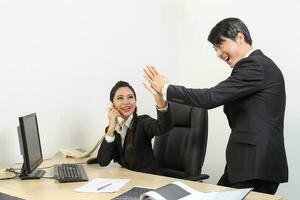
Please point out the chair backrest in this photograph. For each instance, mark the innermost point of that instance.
(182, 150)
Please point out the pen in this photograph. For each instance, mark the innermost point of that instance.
(104, 186)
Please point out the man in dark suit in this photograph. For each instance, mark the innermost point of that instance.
(254, 103)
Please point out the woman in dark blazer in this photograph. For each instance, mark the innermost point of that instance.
(128, 139)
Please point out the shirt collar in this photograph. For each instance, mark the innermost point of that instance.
(128, 121)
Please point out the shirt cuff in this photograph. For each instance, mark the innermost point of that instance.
(164, 91)
(109, 139)
(164, 109)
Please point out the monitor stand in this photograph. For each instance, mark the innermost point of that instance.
(36, 174)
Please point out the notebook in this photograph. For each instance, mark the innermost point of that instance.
(8, 197)
(132, 194)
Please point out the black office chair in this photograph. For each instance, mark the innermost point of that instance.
(181, 151)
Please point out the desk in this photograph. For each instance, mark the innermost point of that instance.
(51, 189)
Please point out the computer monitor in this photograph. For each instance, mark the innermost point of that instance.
(30, 146)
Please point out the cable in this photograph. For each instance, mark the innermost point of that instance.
(9, 173)
(48, 177)
(20, 163)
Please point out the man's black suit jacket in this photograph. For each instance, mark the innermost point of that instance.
(140, 157)
(254, 103)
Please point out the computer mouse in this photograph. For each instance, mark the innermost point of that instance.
(92, 161)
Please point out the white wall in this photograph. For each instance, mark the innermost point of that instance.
(274, 26)
(60, 59)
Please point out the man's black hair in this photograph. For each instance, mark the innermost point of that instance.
(229, 28)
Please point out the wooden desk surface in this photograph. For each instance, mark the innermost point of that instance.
(51, 189)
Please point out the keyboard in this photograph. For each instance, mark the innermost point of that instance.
(69, 173)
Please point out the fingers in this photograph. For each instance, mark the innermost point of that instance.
(148, 74)
(150, 89)
(148, 79)
(113, 112)
(152, 69)
(147, 87)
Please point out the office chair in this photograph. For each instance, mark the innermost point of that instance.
(181, 151)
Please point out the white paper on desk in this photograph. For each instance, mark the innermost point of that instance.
(92, 186)
(235, 194)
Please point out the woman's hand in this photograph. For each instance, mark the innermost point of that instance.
(112, 114)
(155, 78)
(159, 100)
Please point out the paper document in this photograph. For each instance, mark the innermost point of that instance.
(103, 185)
(178, 190)
(234, 194)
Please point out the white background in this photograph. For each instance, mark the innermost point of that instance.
(60, 59)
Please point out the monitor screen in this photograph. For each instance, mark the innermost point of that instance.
(30, 146)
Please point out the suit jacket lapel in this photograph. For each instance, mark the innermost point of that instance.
(119, 154)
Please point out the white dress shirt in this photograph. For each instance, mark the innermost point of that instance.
(121, 129)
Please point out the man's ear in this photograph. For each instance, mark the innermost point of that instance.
(240, 38)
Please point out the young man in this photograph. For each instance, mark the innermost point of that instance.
(254, 103)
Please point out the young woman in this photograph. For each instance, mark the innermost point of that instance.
(129, 142)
